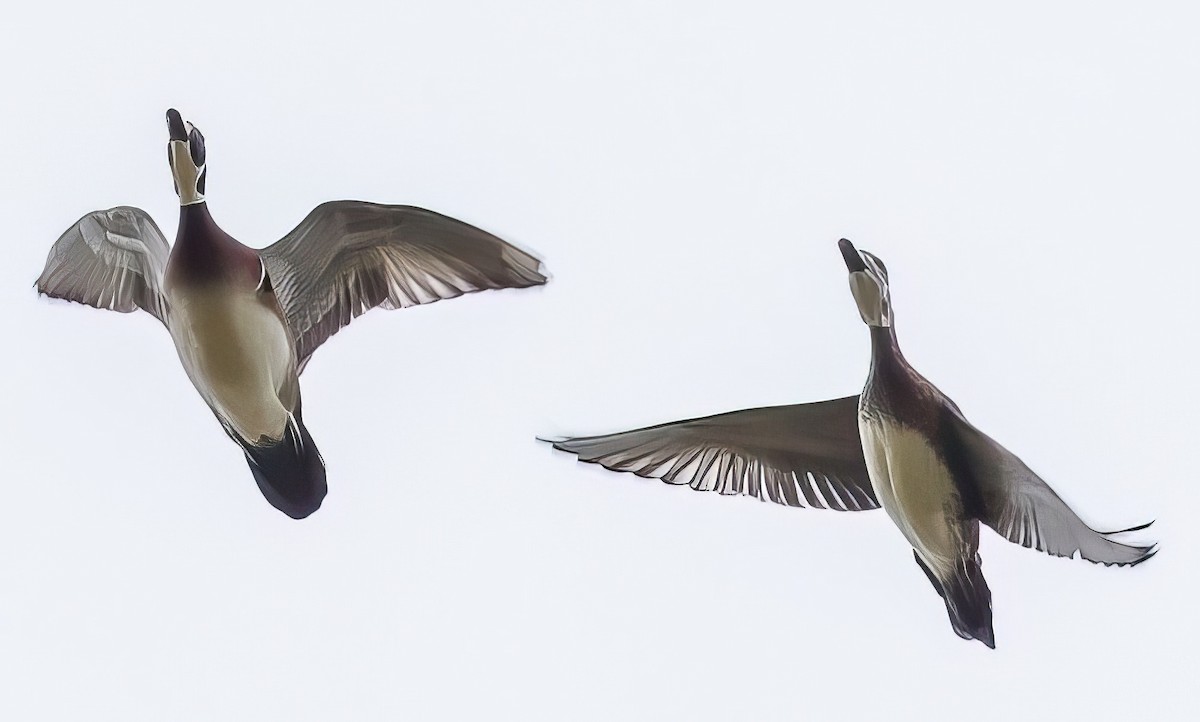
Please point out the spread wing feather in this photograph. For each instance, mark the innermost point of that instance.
(801, 455)
(111, 259)
(1022, 508)
(348, 257)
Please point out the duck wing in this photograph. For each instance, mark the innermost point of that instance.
(348, 257)
(111, 259)
(801, 455)
(1005, 494)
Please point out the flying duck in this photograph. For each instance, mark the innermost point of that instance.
(901, 444)
(245, 322)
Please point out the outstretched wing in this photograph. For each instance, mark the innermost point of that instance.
(348, 257)
(1010, 498)
(110, 259)
(803, 455)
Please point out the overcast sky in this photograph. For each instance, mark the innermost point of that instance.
(1029, 175)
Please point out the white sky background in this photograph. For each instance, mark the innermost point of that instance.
(1029, 175)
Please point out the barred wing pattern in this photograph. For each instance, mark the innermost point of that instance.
(348, 257)
(1024, 509)
(111, 259)
(802, 455)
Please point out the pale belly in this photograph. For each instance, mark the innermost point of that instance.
(915, 488)
(238, 355)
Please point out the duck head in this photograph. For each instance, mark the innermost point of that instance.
(869, 284)
(185, 152)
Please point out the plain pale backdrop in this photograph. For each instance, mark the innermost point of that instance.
(1029, 174)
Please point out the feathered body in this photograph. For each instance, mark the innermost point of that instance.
(901, 445)
(901, 420)
(246, 322)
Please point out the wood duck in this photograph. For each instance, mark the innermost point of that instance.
(902, 444)
(245, 322)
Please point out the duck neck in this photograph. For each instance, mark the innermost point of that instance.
(885, 351)
(196, 222)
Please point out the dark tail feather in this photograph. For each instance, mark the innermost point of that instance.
(290, 473)
(968, 600)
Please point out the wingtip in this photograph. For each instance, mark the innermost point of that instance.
(1151, 551)
(1139, 527)
(526, 268)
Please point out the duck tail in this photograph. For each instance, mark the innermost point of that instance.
(968, 599)
(290, 472)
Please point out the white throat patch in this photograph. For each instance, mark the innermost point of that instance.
(187, 174)
(872, 299)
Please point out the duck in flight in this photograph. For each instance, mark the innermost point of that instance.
(901, 444)
(245, 322)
